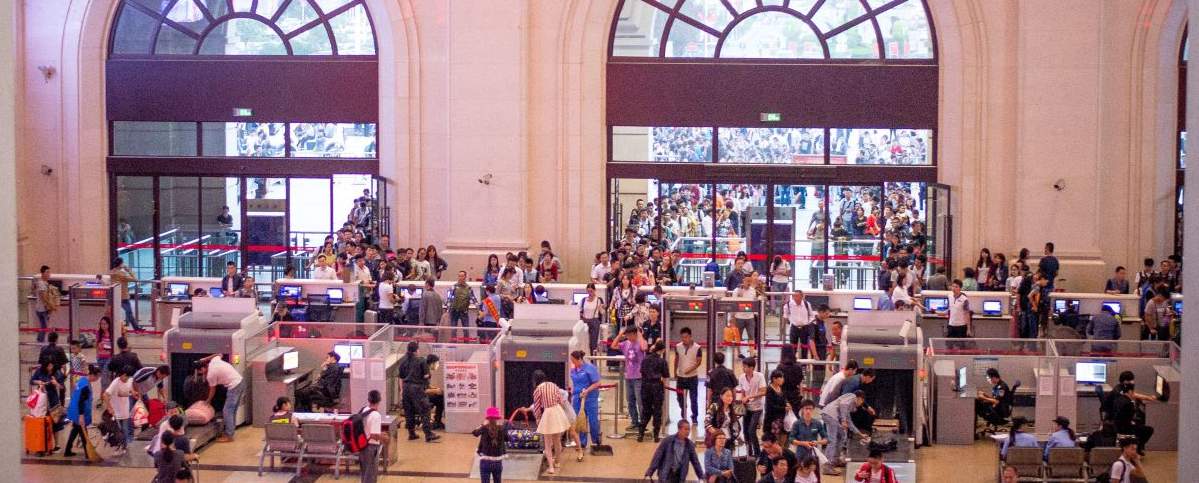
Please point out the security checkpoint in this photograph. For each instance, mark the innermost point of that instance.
(88, 303)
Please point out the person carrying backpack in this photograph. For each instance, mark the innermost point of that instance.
(363, 433)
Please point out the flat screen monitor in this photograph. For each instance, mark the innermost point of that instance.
(1060, 305)
(817, 300)
(992, 307)
(177, 290)
(936, 304)
(336, 295)
(348, 352)
(1160, 386)
(579, 298)
(1115, 306)
(291, 361)
(863, 303)
(963, 377)
(290, 291)
(216, 292)
(1178, 307)
(1090, 372)
(415, 294)
(651, 298)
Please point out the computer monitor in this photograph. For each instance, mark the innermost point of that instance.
(651, 298)
(1160, 386)
(992, 307)
(290, 291)
(347, 352)
(291, 361)
(1090, 372)
(1178, 307)
(336, 295)
(863, 303)
(1116, 307)
(936, 304)
(216, 292)
(1060, 305)
(817, 300)
(415, 294)
(579, 298)
(177, 290)
(963, 377)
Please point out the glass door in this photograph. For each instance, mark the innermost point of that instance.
(937, 235)
(266, 228)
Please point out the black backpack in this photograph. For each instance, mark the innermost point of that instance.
(1106, 476)
(353, 431)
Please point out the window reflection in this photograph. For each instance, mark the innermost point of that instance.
(333, 140)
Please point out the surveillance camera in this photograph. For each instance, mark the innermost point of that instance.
(1059, 185)
(485, 180)
(47, 171)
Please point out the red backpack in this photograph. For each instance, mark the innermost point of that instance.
(353, 431)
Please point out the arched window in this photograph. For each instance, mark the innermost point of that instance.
(243, 27)
(798, 129)
(216, 109)
(754, 29)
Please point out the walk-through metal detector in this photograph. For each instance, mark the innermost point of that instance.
(725, 311)
(695, 313)
(88, 303)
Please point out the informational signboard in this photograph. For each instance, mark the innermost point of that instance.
(462, 387)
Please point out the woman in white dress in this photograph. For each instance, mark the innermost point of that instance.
(552, 420)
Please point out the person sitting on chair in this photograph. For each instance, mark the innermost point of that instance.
(326, 390)
(992, 407)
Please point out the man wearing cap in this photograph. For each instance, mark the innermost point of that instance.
(991, 407)
(327, 388)
(414, 370)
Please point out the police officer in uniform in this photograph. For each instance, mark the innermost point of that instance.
(415, 373)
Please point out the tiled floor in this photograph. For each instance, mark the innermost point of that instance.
(451, 459)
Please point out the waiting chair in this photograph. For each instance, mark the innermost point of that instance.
(1101, 458)
(1027, 461)
(282, 440)
(1066, 464)
(321, 442)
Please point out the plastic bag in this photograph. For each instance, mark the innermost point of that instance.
(140, 416)
(200, 413)
(36, 402)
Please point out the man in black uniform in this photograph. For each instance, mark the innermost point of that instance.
(327, 387)
(1125, 407)
(653, 387)
(792, 379)
(719, 377)
(993, 407)
(415, 373)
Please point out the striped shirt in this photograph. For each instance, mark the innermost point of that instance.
(546, 395)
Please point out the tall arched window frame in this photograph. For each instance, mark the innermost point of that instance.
(789, 110)
(1181, 158)
(242, 27)
(240, 131)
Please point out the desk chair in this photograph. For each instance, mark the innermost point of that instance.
(1003, 412)
(282, 440)
(319, 309)
(1027, 461)
(1066, 464)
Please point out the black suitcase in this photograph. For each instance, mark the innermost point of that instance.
(745, 469)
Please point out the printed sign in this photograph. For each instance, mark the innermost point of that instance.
(462, 387)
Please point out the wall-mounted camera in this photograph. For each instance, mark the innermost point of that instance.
(485, 180)
(1060, 184)
(47, 171)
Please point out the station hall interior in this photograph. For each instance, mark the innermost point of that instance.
(726, 241)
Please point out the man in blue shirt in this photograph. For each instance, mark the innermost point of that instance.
(808, 433)
(79, 411)
(1049, 265)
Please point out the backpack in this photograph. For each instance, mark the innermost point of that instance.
(353, 431)
(1106, 476)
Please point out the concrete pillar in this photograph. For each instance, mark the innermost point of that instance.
(1188, 412)
(10, 415)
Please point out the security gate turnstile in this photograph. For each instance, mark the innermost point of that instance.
(726, 311)
(695, 313)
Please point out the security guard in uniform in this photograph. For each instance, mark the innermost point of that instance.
(415, 373)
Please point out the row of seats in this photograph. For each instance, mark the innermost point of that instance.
(310, 441)
(1065, 464)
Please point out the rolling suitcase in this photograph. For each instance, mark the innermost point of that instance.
(39, 435)
(745, 469)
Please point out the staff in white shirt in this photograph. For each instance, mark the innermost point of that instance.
(798, 313)
(960, 314)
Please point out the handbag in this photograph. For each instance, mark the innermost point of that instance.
(522, 434)
(581, 425)
(732, 333)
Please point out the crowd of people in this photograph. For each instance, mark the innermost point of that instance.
(770, 145)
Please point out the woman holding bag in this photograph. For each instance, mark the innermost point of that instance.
(584, 396)
(552, 421)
